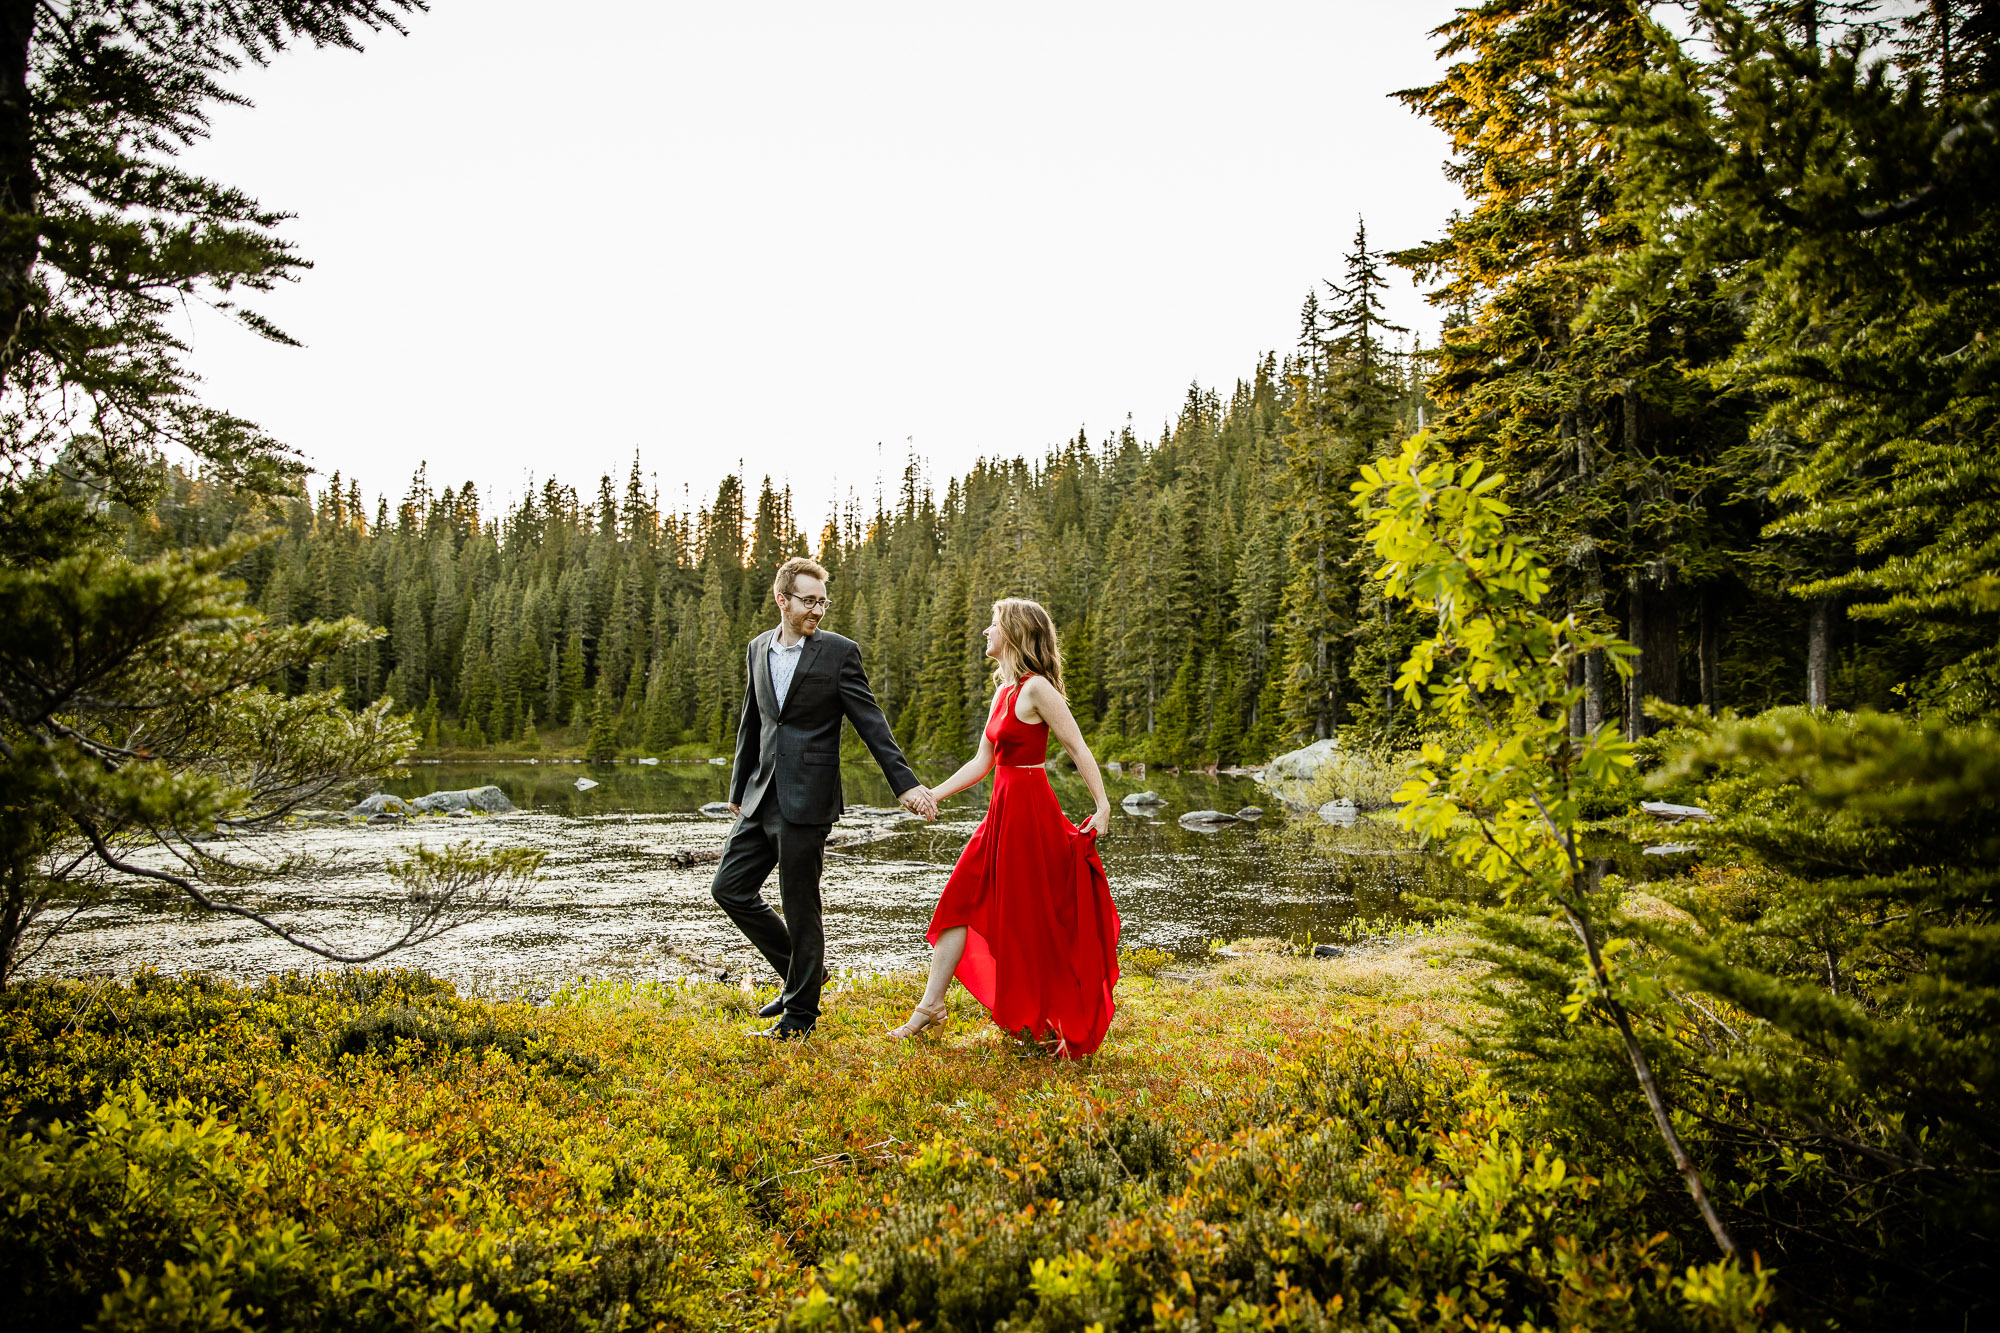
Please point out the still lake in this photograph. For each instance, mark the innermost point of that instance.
(612, 901)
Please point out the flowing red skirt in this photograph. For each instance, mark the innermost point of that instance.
(1041, 949)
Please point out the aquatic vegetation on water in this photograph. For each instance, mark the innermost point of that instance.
(623, 888)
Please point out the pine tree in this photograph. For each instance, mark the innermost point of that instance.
(411, 643)
(571, 688)
(661, 729)
(715, 668)
(1566, 417)
(602, 745)
(1854, 214)
(133, 682)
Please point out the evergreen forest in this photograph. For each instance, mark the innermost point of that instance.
(1724, 319)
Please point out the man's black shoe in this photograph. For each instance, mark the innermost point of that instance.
(777, 1006)
(781, 1032)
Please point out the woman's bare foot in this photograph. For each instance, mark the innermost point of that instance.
(921, 1017)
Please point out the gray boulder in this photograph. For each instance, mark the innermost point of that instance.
(1674, 814)
(1143, 800)
(718, 810)
(1342, 812)
(1206, 819)
(1292, 774)
(491, 800)
(1251, 812)
(381, 803)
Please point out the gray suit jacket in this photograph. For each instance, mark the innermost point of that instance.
(792, 754)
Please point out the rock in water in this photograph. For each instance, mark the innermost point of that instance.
(684, 859)
(1251, 812)
(381, 803)
(718, 810)
(1206, 819)
(1340, 812)
(489, 799)
(718, 760)
(1674, 814)
(584, 784)
(1143, 800)
(1290, 775)
(649, 762)
(1670, 849)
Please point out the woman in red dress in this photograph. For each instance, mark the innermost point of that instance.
(1026, 919)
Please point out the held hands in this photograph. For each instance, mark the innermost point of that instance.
(919, 801)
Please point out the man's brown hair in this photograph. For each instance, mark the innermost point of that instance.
(788, 574)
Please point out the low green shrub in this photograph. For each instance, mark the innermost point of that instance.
(1145, 962)
(377, 1151)
(1368, 1189)
(429, 1034)
(359, 1150)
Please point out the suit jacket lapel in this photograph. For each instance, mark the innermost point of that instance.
(760, 669)
(806, 656)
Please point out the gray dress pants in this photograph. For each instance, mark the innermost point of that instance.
(795, 944)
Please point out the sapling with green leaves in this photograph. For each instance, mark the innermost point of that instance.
(1499, 669)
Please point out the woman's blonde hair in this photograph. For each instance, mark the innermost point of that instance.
(1032, 635)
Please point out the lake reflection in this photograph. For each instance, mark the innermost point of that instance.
(613, 903)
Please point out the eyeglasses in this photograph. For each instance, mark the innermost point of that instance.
(811, 603)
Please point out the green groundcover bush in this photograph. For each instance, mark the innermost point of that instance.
(375, 1151)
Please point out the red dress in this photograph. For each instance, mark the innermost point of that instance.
(1041, 947)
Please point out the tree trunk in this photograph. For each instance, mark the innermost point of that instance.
(1596, 693)
(1819, 651)
(1579, 711)
(1649, 1086)
(20, 187)
(1656, 632)
(1711, 650)
(1332, 697)
(1388, 674)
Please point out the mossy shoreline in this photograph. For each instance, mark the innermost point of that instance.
(1268, 1141)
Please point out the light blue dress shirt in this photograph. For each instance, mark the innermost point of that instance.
(784, 665)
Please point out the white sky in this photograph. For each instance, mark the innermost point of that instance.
(545, 236)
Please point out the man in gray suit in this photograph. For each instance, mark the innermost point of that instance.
(785, 791)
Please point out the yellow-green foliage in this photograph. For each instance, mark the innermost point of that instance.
(1370, 776)
(374, 1151)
